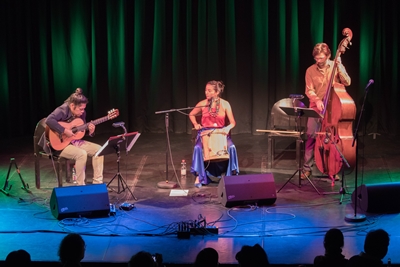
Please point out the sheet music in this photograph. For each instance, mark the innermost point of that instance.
(110, 145)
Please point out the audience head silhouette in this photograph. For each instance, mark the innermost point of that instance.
(207, 257)
(376, 243)
(72, 249)
(333, 244)
(334, 240)
(18, 258)
(252, 256)
(142, 259)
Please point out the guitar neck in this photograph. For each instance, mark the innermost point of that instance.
(84, 127)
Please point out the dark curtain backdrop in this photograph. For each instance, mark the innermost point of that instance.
(143, 56)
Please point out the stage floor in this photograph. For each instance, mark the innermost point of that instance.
(291, 230)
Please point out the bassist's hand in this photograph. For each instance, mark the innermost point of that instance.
(68, 132)
(320, 105)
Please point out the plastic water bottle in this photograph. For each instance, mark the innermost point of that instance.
(183, 169)
(74, 175)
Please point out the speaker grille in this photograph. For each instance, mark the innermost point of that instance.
(247, 189)
(80, 201)
(378, 198)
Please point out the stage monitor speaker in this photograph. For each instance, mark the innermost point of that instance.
(247, 189)
(378, 198)
(80, 201)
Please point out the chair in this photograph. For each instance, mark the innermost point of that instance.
(61, 164)
(281, 122)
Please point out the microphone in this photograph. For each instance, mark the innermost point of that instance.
(369, 83)
(121, 124)
(123, 127)
(118, 124)
(294, 96)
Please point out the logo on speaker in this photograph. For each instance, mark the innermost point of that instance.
(231, 197)
(64, 209)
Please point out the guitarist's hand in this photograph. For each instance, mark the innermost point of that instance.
(91, 128)
(68, 132)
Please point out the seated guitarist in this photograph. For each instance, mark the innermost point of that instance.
(78, 150)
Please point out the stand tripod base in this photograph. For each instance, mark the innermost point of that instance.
(122, 185)
(166, 185)
(7, 188)
(300, 171)
(355, 218)
(5, 192)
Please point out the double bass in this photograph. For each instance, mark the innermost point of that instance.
(334, 140)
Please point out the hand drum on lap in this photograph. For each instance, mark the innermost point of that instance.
(214, 146)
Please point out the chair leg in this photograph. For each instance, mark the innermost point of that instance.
(37, 172)
(68, 173)
(270, 152)
(59, 173)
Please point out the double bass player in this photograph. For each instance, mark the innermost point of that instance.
(317, 80)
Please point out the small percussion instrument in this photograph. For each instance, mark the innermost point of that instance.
(214, 145)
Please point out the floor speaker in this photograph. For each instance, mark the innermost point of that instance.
(247, 189)
(80, 201)
(378, 198)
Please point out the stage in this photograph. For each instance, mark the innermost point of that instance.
(291, 230)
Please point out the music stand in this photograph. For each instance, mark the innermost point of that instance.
(300, 112)
(113, 144)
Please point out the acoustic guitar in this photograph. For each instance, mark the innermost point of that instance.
(78, 127)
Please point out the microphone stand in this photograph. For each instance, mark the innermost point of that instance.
(357, 217)
(168, 184)
(342, 189)
(123, 137)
